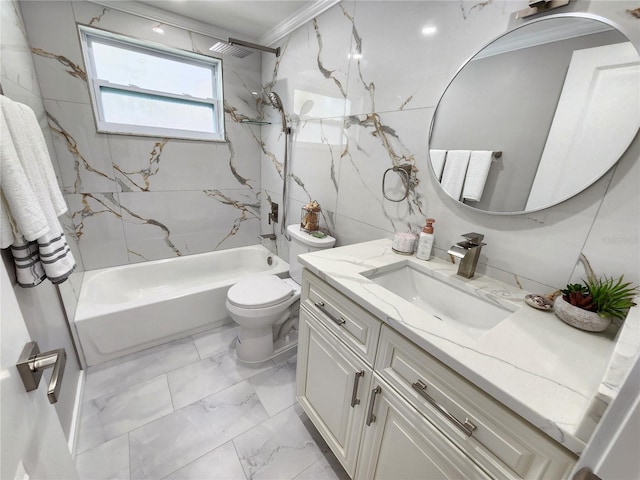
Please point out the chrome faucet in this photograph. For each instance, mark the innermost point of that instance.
(267, 236)
(468, 252)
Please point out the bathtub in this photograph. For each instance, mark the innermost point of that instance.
(126, 309)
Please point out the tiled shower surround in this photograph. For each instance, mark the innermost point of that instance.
(360, 84)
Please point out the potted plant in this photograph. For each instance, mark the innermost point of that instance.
(593, 304)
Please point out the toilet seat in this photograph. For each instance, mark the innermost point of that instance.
(259, 291)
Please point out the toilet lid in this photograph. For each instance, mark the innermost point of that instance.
(259, 291)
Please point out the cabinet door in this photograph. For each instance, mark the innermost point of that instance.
(332, 386)
(400, 444)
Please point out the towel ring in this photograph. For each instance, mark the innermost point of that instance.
(405, 172)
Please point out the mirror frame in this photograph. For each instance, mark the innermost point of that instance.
(583, 15)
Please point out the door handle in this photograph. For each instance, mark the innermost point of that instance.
(32, 364)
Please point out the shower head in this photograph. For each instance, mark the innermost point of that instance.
(227, 48)
(231, 47)
(277, 103)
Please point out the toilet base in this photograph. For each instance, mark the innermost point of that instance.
(278, 349)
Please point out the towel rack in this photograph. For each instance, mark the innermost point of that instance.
(405, 171)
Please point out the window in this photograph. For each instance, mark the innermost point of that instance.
(139, 89)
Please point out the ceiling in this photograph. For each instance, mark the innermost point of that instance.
(252, 19)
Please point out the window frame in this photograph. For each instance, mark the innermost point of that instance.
(95, 84)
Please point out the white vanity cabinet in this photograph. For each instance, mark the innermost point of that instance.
(336, 348)
(389, 410)
(333, 388)
(399, 443)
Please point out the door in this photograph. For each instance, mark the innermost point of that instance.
(400, 444)
(32, 443)
(332, 385)
(599, 99)
(612, 451)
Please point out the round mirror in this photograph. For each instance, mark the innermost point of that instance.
(537, 116)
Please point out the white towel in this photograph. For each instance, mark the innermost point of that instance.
(455, 170)
(31, 200)
(21, 210)
(437, 161)
(477, 173)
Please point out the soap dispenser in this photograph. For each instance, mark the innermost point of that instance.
(425, 244)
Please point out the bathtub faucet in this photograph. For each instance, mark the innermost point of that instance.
(267, 236)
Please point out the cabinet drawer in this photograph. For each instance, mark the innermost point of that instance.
(495, 437)
(342, 316)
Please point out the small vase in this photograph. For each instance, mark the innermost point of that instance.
(579, 318)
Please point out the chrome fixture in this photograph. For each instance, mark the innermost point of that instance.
(230, 47)
(267, 236)
(32, 363)
(277, 103)
(539, 6)
(468, 252)
(467, 427)
(408, 180)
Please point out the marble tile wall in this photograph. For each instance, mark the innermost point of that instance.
(360, 84)
(136, 198)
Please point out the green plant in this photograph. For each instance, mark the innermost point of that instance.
(608, 297)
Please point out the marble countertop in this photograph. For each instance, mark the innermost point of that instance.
(549, 373)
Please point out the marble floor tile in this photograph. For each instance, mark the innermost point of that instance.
(173, 441)
(279, 448)
(218, 340)
(123, 372)
(135, 406)
(108, 461)
(206, 377)
(323, 469)
(276, 387)
(220, 464)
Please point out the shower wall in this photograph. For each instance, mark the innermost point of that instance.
(134, 198)
(361, 82)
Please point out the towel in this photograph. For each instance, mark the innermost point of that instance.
(31, 200)
(437, 161)
(477, 173)
(21, 212)
(455, 170)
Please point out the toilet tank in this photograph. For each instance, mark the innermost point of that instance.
(302, 242)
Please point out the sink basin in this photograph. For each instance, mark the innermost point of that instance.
(464, 310)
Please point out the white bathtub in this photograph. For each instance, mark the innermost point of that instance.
(125, 309)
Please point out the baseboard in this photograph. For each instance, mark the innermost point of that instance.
(75, 418)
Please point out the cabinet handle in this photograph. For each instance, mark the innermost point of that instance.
(370, 416)
(354, 395)
(338, 321)
(467, 426)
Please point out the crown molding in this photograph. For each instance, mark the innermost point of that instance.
(296, 20)
(167, 18)
(285, 27)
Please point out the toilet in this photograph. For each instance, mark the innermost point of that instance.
(263, 305)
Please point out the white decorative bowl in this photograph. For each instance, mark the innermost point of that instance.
(579, 318)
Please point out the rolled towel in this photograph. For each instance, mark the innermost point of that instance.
(477, 173)
(438, 158)
(455, 170)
